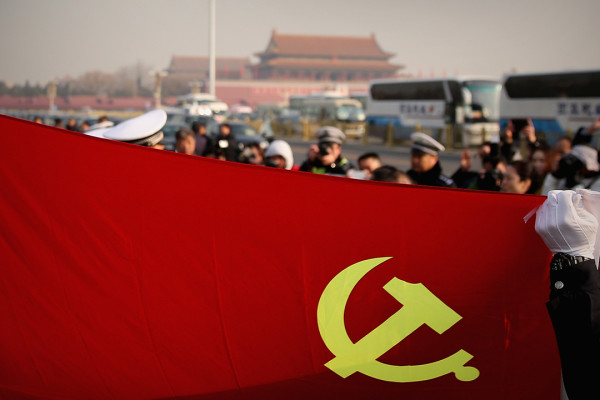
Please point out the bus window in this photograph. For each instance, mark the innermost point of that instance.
(409, 91)
(565, 85)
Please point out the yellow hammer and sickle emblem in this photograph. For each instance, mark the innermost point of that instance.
(419, 306)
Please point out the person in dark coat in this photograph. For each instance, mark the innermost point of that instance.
(204, 144)
(226, 147)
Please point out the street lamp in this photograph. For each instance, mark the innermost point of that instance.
(158, 77)
(51, 92)
(212, 40)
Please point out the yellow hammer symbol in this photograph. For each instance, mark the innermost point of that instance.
(419, 307)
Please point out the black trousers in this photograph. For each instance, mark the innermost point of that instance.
(574, 309)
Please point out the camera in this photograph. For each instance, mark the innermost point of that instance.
(271, 162)
(490, 180)
(569, 167)
(324, 149)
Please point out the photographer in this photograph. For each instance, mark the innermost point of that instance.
(326, 157)
(522, 131)
(578, 169)
(492, 169)
(226, 147)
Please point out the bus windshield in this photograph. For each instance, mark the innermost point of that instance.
(350, 113)
(485, 101)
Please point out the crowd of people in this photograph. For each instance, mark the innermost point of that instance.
(518, 161)
(522, 162)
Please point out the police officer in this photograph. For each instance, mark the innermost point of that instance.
(424, 160)
(144, 130)
(326, 157)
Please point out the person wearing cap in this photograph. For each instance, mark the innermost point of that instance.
(326, 157)
(424, 160)
(226, 147)
(279, 155)
(144, 130)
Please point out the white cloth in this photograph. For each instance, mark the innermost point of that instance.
(565, 225)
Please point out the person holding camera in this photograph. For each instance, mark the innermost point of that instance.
(492, 169)
(523, 131)
(279, 155)
(226, 147)
(326, 157)
(578, 169)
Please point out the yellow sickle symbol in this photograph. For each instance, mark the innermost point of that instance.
(419, 306)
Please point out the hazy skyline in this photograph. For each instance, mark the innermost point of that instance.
(42, 40)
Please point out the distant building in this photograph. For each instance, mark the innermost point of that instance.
(196, 68)
(184, 70)
(323, 58)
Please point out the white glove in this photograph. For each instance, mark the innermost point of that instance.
(565, 225)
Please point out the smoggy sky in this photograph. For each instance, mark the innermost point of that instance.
(45, 39)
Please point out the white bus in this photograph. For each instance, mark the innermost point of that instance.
(469, 105)
(296, 101)
(344, 113)
(558, 103)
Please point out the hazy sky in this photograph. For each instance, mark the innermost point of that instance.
(45, 39)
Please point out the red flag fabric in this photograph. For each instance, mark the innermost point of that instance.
(134, 273)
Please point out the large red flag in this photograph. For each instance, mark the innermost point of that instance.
(133, 273)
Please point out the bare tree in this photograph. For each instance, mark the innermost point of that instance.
(133, 80)
(97, 83)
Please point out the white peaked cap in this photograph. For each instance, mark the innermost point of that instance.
(99, 133)
(145, 129)
(426, 144)
(138, 128)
